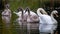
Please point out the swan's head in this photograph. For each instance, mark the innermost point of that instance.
(7, 6)
(55, 13)
(20, 9)
(41, 10)
(27, 10)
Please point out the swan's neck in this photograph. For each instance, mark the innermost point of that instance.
(52, 16)
(39, 13)
(22, 15)
(28, 13)
(42, 12)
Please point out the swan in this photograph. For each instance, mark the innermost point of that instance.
(20, 15)
(21, 20)
(6, 15)
(31, 18)
(46, 23)
(54, 12)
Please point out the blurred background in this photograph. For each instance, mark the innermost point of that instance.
(48, 5)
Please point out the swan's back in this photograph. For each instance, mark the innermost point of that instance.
(33, 17)
(6, 12)
(32, 13)
(46, 19)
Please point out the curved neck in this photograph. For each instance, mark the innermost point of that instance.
(41, 12)
(52, 16)
(29, 13)
(44, 12)
(55, 21)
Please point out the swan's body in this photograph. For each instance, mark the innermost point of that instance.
(46, 23)
(53, 19)
(21, 18)
(33, 17)
(6, 16)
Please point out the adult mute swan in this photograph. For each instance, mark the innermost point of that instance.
(46, 24)
(31, 18)
(53, 19)
(6, 15)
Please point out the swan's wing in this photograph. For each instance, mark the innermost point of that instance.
(32, 13)
(3, 12)
(34, 17)
(46, 19)
(46, 26)
(6, 12)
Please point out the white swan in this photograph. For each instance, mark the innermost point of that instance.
(53, 19)
(6, 15)
(46, 23)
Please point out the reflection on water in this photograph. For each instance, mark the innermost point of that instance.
(15, 28)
